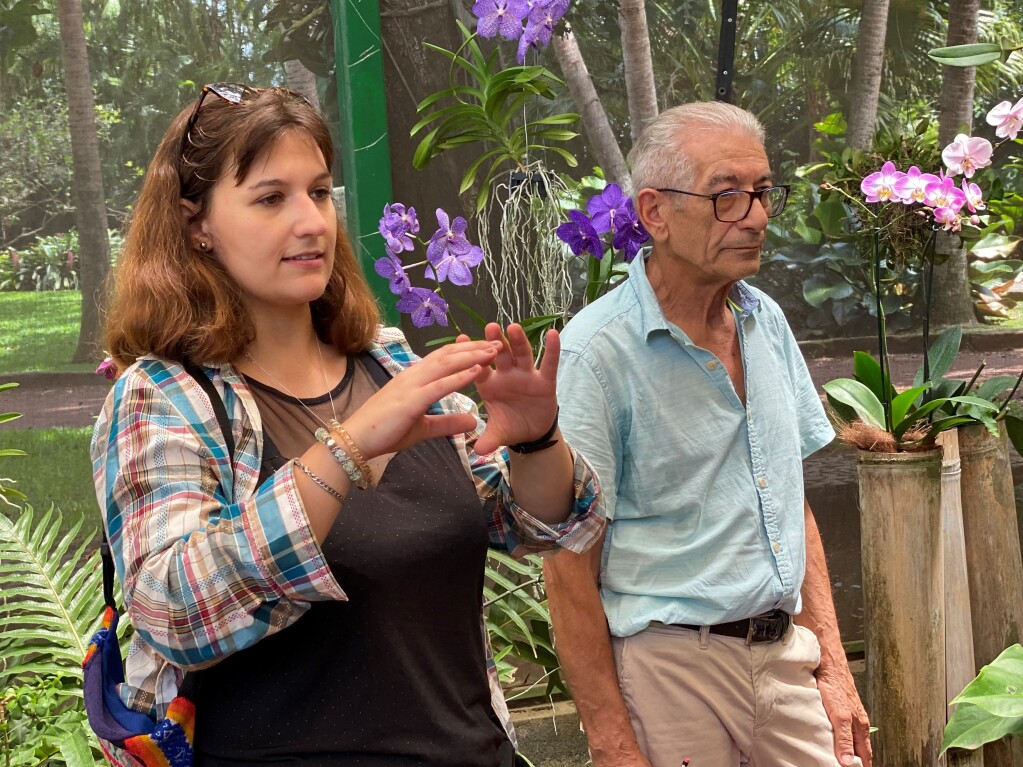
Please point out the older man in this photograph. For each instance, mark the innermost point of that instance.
(685, 389)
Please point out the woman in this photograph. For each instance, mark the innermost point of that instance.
(321, 583)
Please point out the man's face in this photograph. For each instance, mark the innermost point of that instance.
(709, 250)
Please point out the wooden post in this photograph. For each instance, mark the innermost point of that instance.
(904, 604)
(993, 559)
(959, 664)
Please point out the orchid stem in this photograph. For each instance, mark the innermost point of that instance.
(1005, 405)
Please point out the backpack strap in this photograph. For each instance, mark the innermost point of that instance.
(225, 427)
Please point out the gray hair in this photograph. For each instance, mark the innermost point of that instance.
(658, 158)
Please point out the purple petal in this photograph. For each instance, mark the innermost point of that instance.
(459, 273)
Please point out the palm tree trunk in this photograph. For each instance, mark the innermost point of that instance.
(867, 66)
(594, 118)
(87, 178)
(952, 303)
(301, 80)
(639, 69)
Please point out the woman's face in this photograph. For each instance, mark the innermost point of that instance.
(275, 231)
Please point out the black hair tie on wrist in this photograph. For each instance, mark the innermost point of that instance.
(536, 445)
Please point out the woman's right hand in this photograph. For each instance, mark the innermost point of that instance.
(395, 417)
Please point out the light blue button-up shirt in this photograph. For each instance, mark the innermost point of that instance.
(705, 496)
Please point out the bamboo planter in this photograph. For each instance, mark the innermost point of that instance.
(904, 604)
(995, 569)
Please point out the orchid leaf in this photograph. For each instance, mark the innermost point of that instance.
(942, 354)
(919, 414)
(904, 401)
(860, 398)
(948, 423)
(969, 399)
(994, 386)
(970, 55)
(1014, 426)
(867, 371)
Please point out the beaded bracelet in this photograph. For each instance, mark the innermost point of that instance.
(360, 475)
(319, 482)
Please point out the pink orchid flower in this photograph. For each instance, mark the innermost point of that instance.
(949, 218)
(880, 185)
(911, 187)
(1007, 119)
(967, 155)
(974, 197)
(943, 193)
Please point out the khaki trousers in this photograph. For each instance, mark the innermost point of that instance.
(722, 703)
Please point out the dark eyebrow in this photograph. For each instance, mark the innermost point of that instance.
(325, 176)
(731, 178)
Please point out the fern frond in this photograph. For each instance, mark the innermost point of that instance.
(51, 597)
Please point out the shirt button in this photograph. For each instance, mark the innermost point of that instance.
(776, 547)
(712, 365)
(762, 482)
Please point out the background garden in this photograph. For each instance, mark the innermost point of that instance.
(87, 88)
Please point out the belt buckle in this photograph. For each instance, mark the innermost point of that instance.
(765, 628)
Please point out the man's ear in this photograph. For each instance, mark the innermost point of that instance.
(652, 209)
(190, 220)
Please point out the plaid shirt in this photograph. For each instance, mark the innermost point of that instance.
(210, 563)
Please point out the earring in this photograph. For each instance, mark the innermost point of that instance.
(203, 245)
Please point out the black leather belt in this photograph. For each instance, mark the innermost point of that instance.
(769, 627)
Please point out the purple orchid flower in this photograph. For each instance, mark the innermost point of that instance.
(391, 268)
(580, 236)
(449, 239)
(396, 225)
(425, 306)
(454, 267)
(603, 208)
(630, 235)
(543, 15)
(500, 17)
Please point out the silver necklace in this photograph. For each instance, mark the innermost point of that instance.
(288, 391)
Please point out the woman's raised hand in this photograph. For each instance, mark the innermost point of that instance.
(395, 417)
(521, 400)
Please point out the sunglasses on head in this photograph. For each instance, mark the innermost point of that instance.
(234, 93)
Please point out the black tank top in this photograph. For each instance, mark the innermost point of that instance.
(396, 675)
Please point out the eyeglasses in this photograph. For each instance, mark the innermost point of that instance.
(232, 92)
(735, 204)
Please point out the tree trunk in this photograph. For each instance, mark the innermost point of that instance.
(87, 178)
(594, 118)
(952, 303)
(302, 81)
(639, 69)
(867, 67)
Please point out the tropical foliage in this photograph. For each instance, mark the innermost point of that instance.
(991, 706)
(51, 605)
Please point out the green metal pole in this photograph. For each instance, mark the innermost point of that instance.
(365, 150)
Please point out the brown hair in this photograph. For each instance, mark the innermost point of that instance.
(170, 299)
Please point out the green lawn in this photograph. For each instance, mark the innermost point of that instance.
(39, 331)
(56, 470)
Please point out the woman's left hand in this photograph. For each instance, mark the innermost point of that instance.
(521, 400)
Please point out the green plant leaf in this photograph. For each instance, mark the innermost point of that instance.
(58, 594)
(969, 399)
(75, 749)
(994, 386)
(942, 354)
(970, 55)
(902, 403)
(818, 289)
(860, 398)
(1014, 427)
(998, 688)
(867, 371)
(970, 727)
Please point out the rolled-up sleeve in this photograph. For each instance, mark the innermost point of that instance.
(512, 528)
(203, 576)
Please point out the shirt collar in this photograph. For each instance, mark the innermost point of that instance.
(652, 318)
